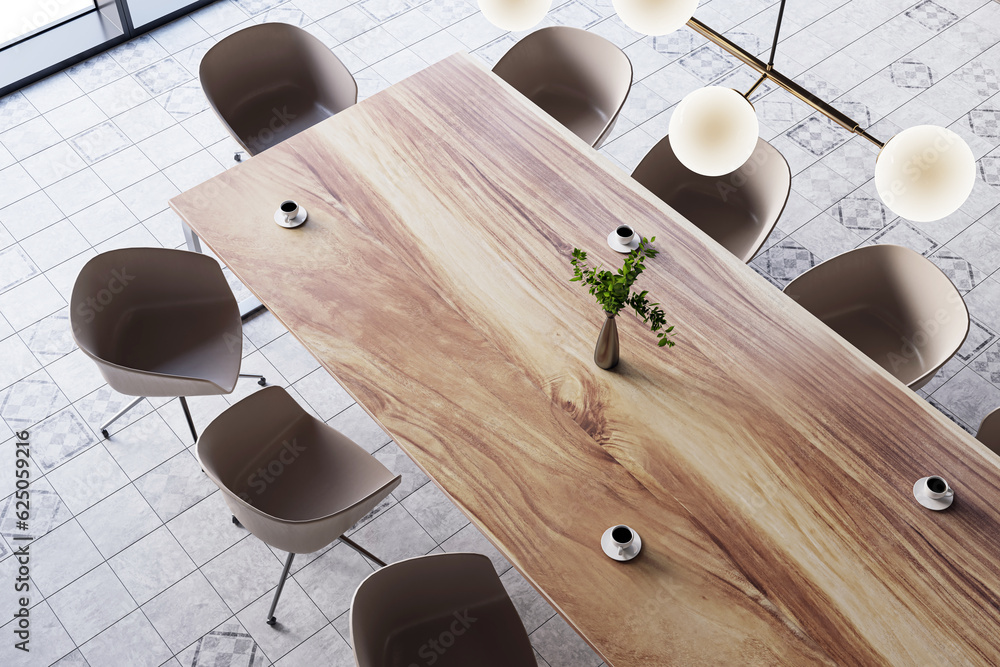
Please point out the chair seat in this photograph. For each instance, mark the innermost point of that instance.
(989, 431)
(892, 304)
(874, 331)
(159, 322)
(189, 341)
(269, 82)
(732, 224)
(448, 610)
(271, 116)
(572, 109)
(738, 210)
(318, 477)
(579, 78)
(476, 640)
(293, 481)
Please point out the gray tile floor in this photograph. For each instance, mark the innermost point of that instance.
(136, 561)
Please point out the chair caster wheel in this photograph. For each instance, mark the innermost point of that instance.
(104, 432)
(271, 621)
(262, 382)
(236, 522)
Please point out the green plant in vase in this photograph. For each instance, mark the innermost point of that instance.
(613, 291)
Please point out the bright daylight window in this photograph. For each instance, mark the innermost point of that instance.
(22, 18)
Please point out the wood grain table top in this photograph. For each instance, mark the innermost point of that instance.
(767, 465)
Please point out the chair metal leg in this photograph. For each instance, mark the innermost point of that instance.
(249, 307)
(192, 240)
(260, 378)
(105, 425)
(271, 620)
(187, 413)
(361, 550)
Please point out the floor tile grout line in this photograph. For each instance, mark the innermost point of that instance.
(404, 506)
(90, 165)
(104, 561)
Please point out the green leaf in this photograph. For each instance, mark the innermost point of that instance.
(612, 289)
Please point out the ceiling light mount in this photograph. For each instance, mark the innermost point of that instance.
(768, 73)
(709, 131)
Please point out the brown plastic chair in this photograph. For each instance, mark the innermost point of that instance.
(989, 431)
(739, 210)
(269, 82)
(577, 77)
(158, 322)
(450, 610)
(891, 303)
(290, 479)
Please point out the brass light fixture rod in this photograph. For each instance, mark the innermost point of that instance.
(762, 79)
(767, 71)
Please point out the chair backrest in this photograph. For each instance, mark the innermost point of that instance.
(455, 597)
(291, 480)
(115, 290)
(272, 65)
(892, 303)
(739, 209)
(573, 62)
(989, 431)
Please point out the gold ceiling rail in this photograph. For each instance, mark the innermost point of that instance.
(767, 71)
(923, 173)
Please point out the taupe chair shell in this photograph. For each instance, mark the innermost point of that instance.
(989, 431)
(891, 303)
(158, 322)
(739, 209)
(396, 610)
(290, 479)
(271, 81)
(577, 77)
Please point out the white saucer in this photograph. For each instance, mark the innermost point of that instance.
(300, 217)
(611, 551)
(920, 493)
(622, 248)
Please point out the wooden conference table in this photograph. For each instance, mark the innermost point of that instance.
(767, 465)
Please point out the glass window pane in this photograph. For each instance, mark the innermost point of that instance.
(23, 17)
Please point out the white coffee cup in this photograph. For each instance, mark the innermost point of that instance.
(289, 210)
(936, 488)
(621, 538)
(624, 234)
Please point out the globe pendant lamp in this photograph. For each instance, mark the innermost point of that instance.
(655, 17)
(925, 173)
(514, 14)
(714, 131)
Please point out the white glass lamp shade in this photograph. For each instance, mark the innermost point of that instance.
(925, 173)
(655, 17)
(714, 131)
(514, 14)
